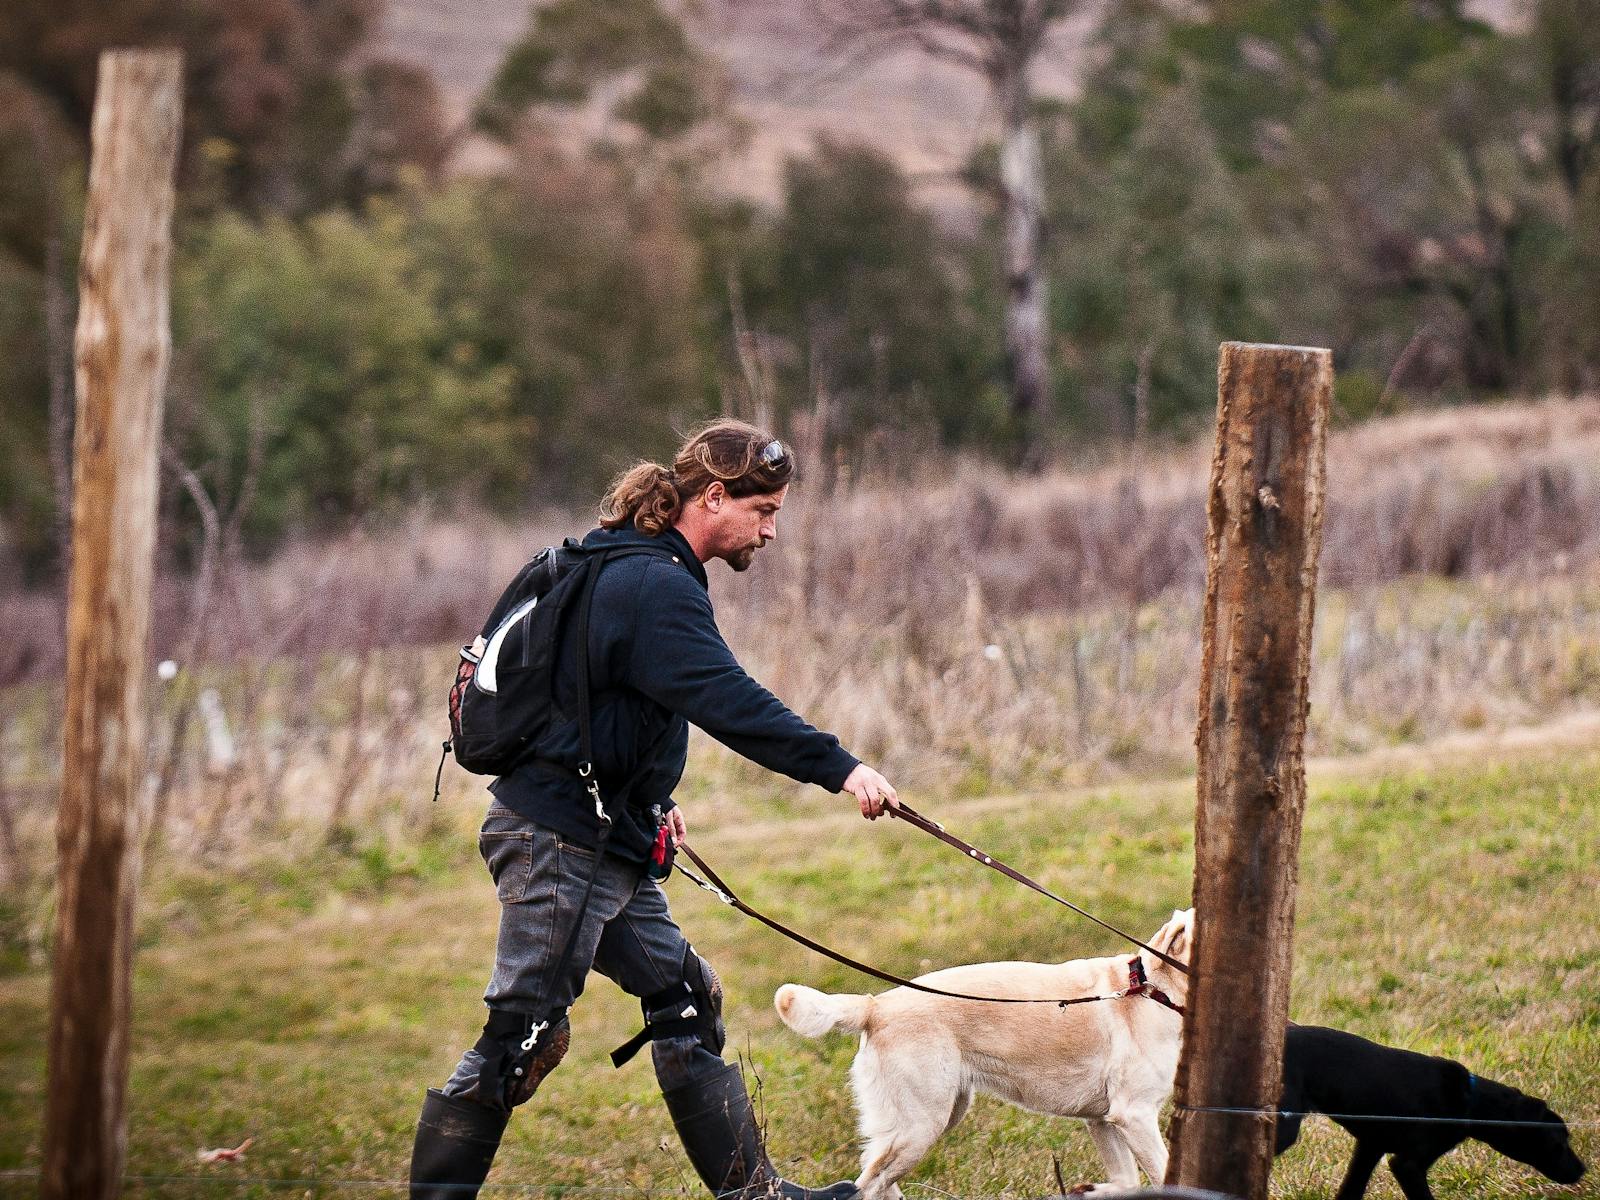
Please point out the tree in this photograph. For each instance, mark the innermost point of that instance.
(397, 131)
(1000, 40)
(283, 114)
(857, 294)
(273, 94)
(1442, 204)
(581, 280)
(1415, 148)
(333, 383)
(1565, 45)
(1567, 42)
(41, 196)
(634, 52)
(1157, 264)
(28, 503)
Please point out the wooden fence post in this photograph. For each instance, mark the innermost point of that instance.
(1264, 535)
(122, 345)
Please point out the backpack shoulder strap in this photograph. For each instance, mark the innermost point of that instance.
(593, 565)
(616, 552)
(585, 728)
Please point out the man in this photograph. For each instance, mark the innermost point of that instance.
(656, 662)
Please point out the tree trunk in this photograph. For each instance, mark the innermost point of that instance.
(1026, 300)
(1265, 532)
(122, 348)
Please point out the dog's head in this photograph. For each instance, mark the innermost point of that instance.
(1174, 939)
(1539, 1138)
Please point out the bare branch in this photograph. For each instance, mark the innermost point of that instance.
(837, 63)
(933, 46)
(952, 32)
(254, 457)
(210, 520)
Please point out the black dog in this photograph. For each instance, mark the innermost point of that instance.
(1347, 1078)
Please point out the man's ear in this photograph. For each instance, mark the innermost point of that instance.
(714, 495)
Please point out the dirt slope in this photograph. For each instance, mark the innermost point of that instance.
(929, 115)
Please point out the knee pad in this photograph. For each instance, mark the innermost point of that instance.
(689, 1008)
(706, 989)
(518, 1051)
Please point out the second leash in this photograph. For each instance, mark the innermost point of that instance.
(912, 817)
(713, 883)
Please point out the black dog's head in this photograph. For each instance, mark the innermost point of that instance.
(1541, 1142)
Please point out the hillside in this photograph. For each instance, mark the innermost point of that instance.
(926, 114)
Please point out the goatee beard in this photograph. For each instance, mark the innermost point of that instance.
(740, 560)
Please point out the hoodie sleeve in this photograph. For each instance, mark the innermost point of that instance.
(680, 660)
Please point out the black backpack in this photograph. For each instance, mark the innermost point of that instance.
(503, 698)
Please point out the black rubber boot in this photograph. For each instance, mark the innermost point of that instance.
(456, 1141)
(717, 1125)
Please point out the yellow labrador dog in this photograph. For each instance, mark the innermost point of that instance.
(922, 1057)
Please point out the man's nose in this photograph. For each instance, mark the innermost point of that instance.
(769, 529)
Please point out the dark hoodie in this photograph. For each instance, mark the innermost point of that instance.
(657, 661)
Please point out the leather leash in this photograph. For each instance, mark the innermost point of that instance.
(912, 817)
(1138, 985)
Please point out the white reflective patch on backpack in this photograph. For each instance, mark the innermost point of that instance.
(484, 679)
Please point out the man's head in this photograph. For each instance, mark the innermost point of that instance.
(722, 492)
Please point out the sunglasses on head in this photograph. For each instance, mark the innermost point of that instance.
(773, 455)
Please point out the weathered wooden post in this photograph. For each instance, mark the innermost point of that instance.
(122, 345)
(1264, 535)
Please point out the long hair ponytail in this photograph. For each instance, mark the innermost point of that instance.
(746, 460)
(644, 494)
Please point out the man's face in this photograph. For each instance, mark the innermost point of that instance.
(743, 524)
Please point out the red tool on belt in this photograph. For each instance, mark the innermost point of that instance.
(663, 852)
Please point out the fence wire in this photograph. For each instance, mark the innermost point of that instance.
(324, 1184)
(647, 1193)
(1284, 1112)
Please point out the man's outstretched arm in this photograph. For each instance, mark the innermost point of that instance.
(680, 660)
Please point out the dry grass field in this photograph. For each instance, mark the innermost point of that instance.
(981, 633)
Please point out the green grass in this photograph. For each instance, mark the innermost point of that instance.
(307, 1000)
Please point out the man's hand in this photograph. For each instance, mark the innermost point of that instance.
(676, 825)
(872, 791)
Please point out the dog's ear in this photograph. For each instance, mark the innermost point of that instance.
(1172, 938)
(1182, 930)
(1178, 933)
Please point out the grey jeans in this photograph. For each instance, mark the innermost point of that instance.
(627, 934)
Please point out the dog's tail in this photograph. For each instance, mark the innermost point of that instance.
(811, 1013)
